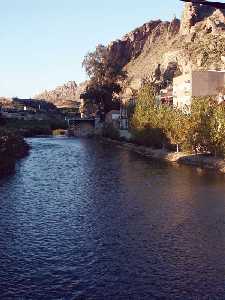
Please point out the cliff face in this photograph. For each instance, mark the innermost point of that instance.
(67, 95)
(5, 102)
(160, 50)
(131, 45)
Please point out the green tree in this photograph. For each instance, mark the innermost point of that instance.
(147, 119)
(145, 108)
(105, 77)
(201, 127)
(199, 120)
(217, 130)
(175, 123)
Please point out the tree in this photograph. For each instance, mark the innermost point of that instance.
(199, 129)
(217, 130)
(147, 119)
(174, 123)
(145, 107)
(105, 77)
(103, 96)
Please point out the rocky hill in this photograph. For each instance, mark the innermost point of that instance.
(6, 102)
(160, 50)
(67, 95)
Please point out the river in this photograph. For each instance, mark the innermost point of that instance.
(82, 219)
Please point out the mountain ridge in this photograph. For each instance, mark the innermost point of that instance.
(158, 51)
(66, 95)
(196, 41)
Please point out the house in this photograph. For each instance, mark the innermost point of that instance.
(29, 109)
(196, 84)
(113, 117)
(27, 115)
(33, 105)
(165, 96)
(81, 127)
(123, 117)
(11, 113)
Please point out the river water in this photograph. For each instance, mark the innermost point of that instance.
(82, 219)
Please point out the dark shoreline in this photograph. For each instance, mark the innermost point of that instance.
(15, 147)
(12, 148)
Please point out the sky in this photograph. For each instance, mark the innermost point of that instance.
(43, 42)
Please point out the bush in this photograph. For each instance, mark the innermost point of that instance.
(12, 144)
(157, 126)
(29, 128)
(110, 131)
(150, 137)
(200, 128)
(59, 132)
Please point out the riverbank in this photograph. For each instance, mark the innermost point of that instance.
(202, 161)
(33, 128)
(12, 148)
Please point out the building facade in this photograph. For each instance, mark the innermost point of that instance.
(196, 84)
(113, 117)
(165, 96)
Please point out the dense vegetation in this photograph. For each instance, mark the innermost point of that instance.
(12, 143)
(12, 147)
(109, 131)
(30, 128)
(104, 74)
(12, 133)
(200, 128)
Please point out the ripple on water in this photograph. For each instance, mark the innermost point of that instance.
(84, 220)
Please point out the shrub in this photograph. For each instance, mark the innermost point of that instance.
(110, 131)
(200, 128)
(150, 137)
(59, 132)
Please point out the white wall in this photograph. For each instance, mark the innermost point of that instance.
(196, 84)
(182, 91)
(206, 83)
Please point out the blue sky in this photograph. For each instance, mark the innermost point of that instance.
(43, 42)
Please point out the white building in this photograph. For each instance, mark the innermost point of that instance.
(196, 84)
(165, 96)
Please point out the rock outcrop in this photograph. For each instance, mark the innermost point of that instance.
(158, 51)
(193, 14)
(6, 102)
(67, 95)
(195, 42)
(131, 45)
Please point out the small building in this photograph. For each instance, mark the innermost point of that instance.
(80, 127)
(113, 117)
(165, 96)
(124, 123)
(196, 84)
(12, 113)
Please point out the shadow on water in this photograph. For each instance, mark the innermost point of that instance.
(85, 220)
